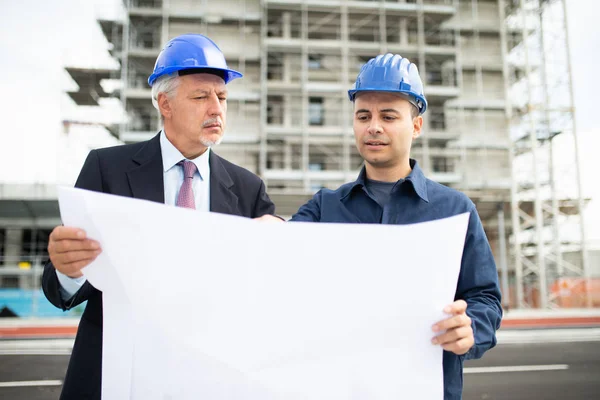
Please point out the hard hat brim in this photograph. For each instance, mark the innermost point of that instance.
(228, 74)
(417, 101)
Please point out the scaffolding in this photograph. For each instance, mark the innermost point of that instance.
(496, 75)
(289, 118)
(548, 240)
(314, 52)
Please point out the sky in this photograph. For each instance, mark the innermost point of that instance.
(39, 37)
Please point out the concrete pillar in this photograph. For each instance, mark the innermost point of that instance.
(287, 110)
(503, 258)
(287, 156)
(403, 32)
(287, 25)
(287, 68)
(13, 244)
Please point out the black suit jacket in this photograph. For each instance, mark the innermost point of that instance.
(136, 170)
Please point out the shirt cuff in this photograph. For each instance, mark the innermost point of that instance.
(69, 286)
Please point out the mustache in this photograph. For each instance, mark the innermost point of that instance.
(212, 121)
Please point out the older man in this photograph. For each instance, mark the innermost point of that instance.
(176, 167)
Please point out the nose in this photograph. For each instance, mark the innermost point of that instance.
(215, 106)
(374, 127)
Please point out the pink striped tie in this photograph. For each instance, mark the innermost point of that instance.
(186, 194)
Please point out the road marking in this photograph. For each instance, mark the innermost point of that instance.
(516, 368)
(34, 352)
(31, 383)
(542, 336)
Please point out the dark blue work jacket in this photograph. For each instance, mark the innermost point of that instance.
(418, 199)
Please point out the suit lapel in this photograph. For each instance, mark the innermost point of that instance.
(222, 198)
(146, 180)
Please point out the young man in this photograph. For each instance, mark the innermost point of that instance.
(176, 167)
(391, 189)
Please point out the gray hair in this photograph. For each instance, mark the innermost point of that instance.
(166, 84)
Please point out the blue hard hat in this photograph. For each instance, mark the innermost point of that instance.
(192, 52)
(394, 74)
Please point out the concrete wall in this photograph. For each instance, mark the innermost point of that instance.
(487, 168)
(222, 8)
(492, 86)
(593, 259)
(243, 120)
(486, 126)
(487, 53)
(227, 36)
(487, 16)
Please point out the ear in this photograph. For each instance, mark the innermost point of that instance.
(164, 105)
(417, 126)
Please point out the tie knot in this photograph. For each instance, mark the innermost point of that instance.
(189, 168)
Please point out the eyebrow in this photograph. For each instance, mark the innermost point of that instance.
(385, 110)
(205, 92)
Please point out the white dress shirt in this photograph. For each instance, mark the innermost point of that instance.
(173, 175)
(173, 178)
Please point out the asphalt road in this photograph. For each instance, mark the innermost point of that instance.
(565, 371)
(32, 368)
(576, 374)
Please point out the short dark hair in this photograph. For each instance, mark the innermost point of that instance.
(414, 111)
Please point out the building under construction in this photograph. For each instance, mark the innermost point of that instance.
(487, 78)
(290, 119)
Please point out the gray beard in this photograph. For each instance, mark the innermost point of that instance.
(210, 143)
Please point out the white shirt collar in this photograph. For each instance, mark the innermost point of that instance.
(171, 156)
